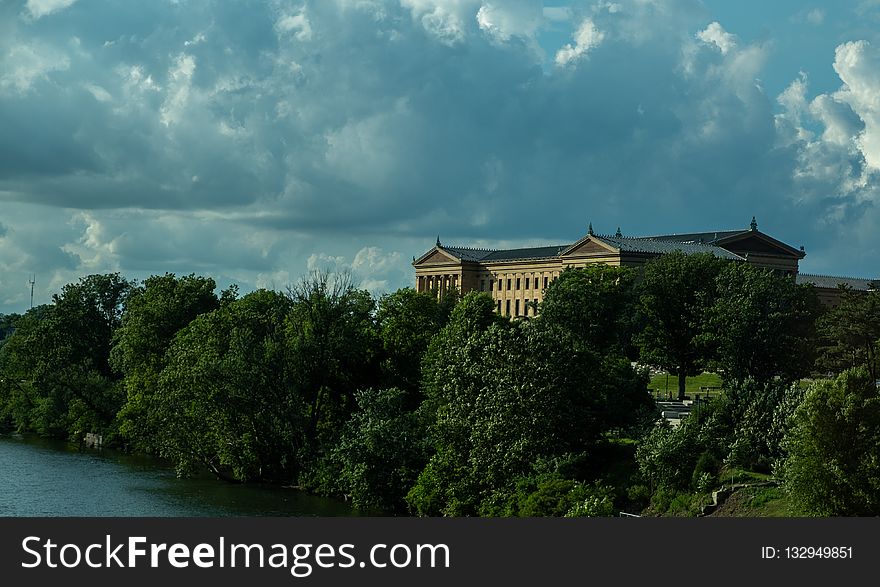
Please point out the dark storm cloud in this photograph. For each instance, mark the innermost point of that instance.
(243, 138)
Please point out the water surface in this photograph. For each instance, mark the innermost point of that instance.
(40, 477)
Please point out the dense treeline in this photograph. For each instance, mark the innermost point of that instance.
(408, 404)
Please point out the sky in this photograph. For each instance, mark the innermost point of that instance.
(254, 142)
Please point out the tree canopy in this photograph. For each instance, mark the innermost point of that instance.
(762, 325)
(833, 463)
(155, 311)
(676, 294)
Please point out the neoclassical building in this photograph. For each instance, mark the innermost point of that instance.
(516, 278)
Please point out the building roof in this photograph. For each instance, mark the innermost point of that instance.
(713, 242)
(527, 253)
(699, 237)
(626, 244)
(657, 246)
(468, 254)
(832, 282)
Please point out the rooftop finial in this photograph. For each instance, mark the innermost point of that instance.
(590, 229)
(618, 234)
(438, 240)
(754, 224)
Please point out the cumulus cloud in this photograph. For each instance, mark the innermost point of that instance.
(41, 8)
(847, 151)
(858, 65)
(714, 34)
(503, 20)
(836, 139)
(586, 37)
(372, 268)
(445, 20)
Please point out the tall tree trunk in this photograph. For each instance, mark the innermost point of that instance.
(682, 377)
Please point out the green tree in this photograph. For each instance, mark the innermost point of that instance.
(762, 325)
(757, 414)
(852, 331)
(451, 377)
(553, 495)
(16, 394)
(503, 397)
(7, 326)
(226, 398)
(335, 350)
(833, 464)
(597, 303)
(407, 322)
(382, 450)
(667, 456)
(154, 313)
(676, 294)
(57, 360)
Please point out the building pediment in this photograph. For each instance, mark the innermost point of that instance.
(437, 256)
(758, 243)
(589, 246)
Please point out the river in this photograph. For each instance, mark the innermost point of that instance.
(40, 477)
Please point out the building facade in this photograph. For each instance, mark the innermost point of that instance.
(517, 278)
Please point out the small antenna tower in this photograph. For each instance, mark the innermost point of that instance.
(32, 281)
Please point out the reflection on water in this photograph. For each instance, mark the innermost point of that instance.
(40, 477)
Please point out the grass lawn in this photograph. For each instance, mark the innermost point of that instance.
(658, 385)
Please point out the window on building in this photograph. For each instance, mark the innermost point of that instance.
(527, 283)
(517, 283)
(545, 283)
(482, 285)
(499, 306)
(509, 281)
(526, 308)
(507, 308)
(516, 307)
(491, 283)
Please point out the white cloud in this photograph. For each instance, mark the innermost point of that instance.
(445, 20)
(372, 261)
(24, 65)
(586, 38)
(99, 93)
(323, 261)
(41, 8)
(96, 249)
(372, 268)
(179, 83)
(298, 24)
(199, 38)
(503, 20)
(858, 65)
(715, 35)
(836, 136)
